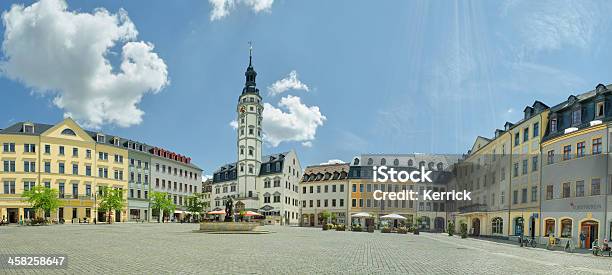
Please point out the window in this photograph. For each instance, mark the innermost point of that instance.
(341, 188)
(516, 169)
(524, 195)
(61, 150)
(75, 190)
(88, 190)
(88, 170)
(580, 149)
(47, 149)
(550, 158)
(516, 139)
(341, 202)
(536, 129)
(29, 166)
(566, 228)
(566, 189)
(525, 162)
(9, 147)
(549, 192)
(534, 193)
(88, 153)
(553, 125)
(75, 169)
(47, 167)
(580, 188)
(549, 227)
(567, 152)
(68, 132)
(497, 225)
(595, 187)
(534, 163)
(502, 197)
(596, 146)
(515, 197)
(9, 187)
(28, 185)
(29, 148)
(354, 188)
(75, 152)
(61, 190)
(576, 117)
(525, 134)
(600, 109)
(61, 168)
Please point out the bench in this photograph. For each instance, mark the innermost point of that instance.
(600, 252)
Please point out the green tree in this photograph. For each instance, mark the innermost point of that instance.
(111, 200)
(195, 206)
(42, 199)
(451, 228)
(162, 203)
(325, 215)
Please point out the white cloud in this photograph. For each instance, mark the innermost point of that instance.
(299, 123)
(234, 124)
(333, 161)
(307, 144)
(222, 8)
(64, 53)
(291, 82)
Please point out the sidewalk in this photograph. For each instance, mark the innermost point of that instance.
(540, 246)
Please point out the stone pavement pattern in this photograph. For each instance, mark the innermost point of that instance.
(175, 248)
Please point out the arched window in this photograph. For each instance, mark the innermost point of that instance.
(370, 161)
(497, 224)
(410, 162)
(356, 161)
(421, 164)
(383, 161)
(68, 132)
(566, 228)
(430, 166)
(440, 166)
(396, 162)
(549, 227)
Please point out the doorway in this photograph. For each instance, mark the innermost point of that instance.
(117, 216)
(439, 224)
(476, 227)
(532, 227)
(13, 215)
(591, 232)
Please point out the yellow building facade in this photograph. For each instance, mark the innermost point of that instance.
(64, 157)
(526, 162)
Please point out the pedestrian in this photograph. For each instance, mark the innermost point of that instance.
(582, 240)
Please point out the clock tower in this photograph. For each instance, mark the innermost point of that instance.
(249, 112)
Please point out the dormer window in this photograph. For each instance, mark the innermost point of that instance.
(576, 119)
(553, 125)
(28, 128)
(101, 138)
(68, 132)
(599, 108)
(116, 141)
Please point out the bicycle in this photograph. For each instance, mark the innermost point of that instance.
(530, 242)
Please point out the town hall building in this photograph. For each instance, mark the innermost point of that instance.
(264, 184)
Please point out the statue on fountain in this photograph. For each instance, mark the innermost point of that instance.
(229, 213)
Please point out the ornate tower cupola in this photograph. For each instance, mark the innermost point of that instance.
(250, 74)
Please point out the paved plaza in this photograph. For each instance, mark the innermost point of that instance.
(175, 248)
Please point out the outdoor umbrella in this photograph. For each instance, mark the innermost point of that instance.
(361, 215)
(217, 212)
(251, 213)
(393, 217)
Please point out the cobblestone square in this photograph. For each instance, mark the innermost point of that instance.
(175, 248)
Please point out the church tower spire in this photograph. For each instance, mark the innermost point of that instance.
(250, 75)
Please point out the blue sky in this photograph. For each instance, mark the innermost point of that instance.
(388, 76)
